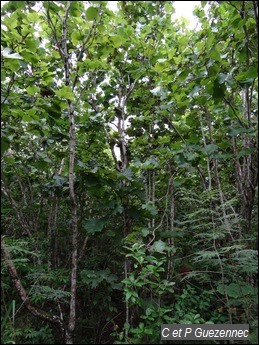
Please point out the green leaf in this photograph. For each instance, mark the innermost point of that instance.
(127, 174)
(159, 246)
(126, 326)
(151, 162)
(183, 75)
(65, 92)
(94, 225)
(116, 40)
(76, 37)
(239, 130)
(9, 160)
(91, 13)
(247, 77)
(51, 5)
(214, 54)
(59, 180)
(150, 208)
(32, 45)
(44, 156)
(209, 149)
(4, 145)
(164, 140)
(246, 152)
(13, 65)
(31, 90)
(190, 156)
(169, 8)
(75, 9)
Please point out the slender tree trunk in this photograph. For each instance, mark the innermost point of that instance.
(153, 193)
(51, 231)
(72, 318)
(63, 50)
(171, 224)
(249, 174)
(207, 158)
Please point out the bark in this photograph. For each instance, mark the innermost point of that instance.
(123, 95)
(172, 207)
(72, 146)
(52, 233)
(153, 194)
(246, 167)
(207, 158)
(255, 7)
(171, 226)
(72, 318)
(249, 166)
(63, 51)
(150, 188)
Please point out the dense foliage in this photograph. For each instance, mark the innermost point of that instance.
(129, 170)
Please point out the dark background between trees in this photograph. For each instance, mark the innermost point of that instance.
(129, 170)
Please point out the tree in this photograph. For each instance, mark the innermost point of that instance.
(129, 169)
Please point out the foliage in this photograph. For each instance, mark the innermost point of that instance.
(129, 169)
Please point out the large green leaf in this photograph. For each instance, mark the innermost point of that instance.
(32, 90)
(151, 208)
(65, 92)
(210, 148)
(247, 77)
(91, 13)
(94, 225)
(159, 246)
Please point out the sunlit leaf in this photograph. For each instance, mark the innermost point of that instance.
(91, 13)
(65, 92)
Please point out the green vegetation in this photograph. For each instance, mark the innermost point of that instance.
(129, 170)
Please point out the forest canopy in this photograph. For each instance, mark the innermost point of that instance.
(128, 170)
